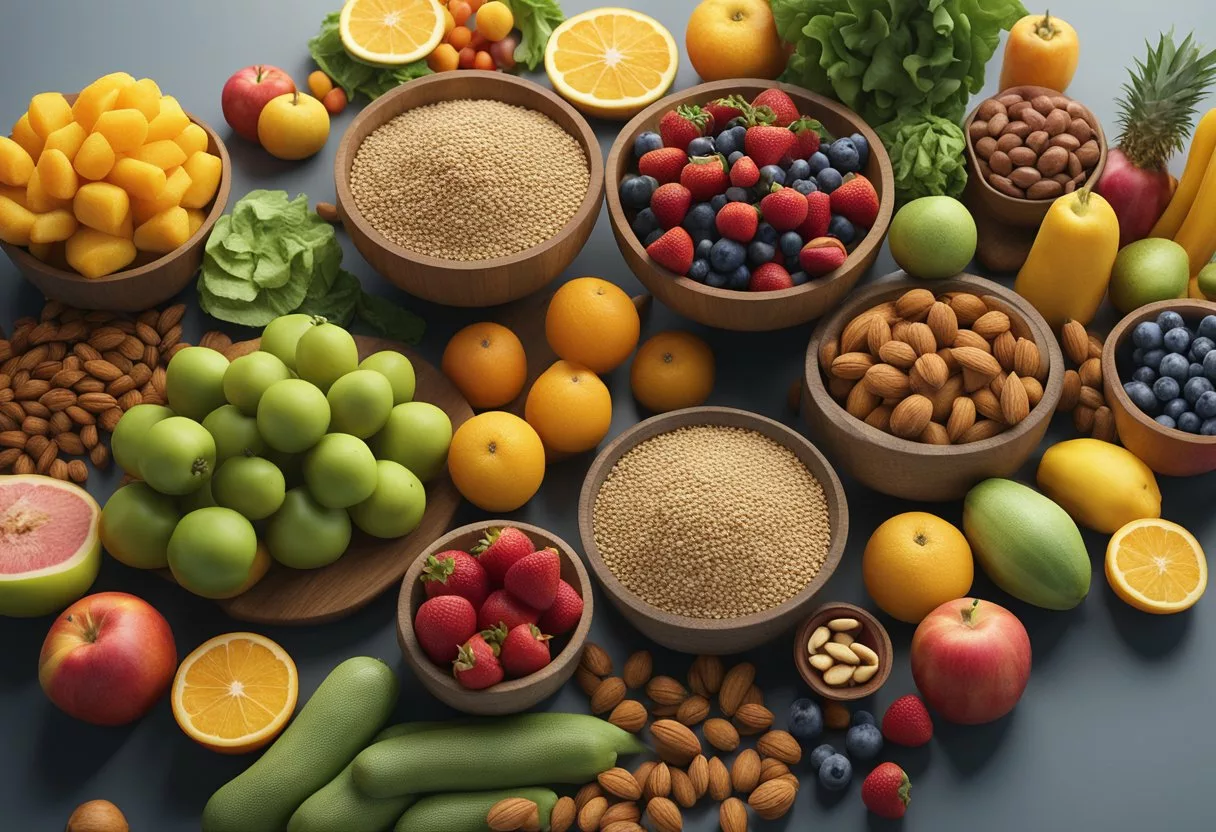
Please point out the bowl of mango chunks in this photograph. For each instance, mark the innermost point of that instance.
(107, 196)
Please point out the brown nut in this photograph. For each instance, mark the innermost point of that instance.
(1023, 157)
(1053, 160)
(997, 124)
(1057, 122)
(985, 147)
(1060, 101)
(1035, 119)
(1066, 141)
(1045, 189)
(1076, 109)
(1010, 98)
(1089, 153)
(978, 130)
(1042, 104)
(1075, 168)
(1024, 177)
(1038, 141)
(1016, 110)
(1080, 130)
(1006, 186)
(1000, 163)
(1018, 128)
(1008, 142)
(990, 108)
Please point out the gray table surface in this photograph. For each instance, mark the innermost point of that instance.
(1111, 734)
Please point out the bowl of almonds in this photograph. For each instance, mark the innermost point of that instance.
(923, 388)
(843, 652)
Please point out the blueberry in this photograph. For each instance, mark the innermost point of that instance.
(863, 742)
(1165, 421)
(699, 270)
(806, 721)
(703, 249)
(765, 233)
(1147, 335)
(793, 264)
(734, 157)
(736, 122)
(863, 717)
(1166, 388)
(1205, 405)
(702, 146)
(1175, 366)
(654, 183)
(700, 217)
(701, 236)
(1207, 327)
(819, 161)
(1209, 366)
(798, 169)
(646, 142)
(791, 243)
(828, 180)
(1152, 358)
(844, 156)
(1169, 320)
(841, 229)
(805, 186)
(863, 149)
(1194, 371)
(1208, 428)
(821, 753)
(730, 140)
(636, 192)
(1200, 347)
(1189, 422)
(1178, 339)
(739, 279)
(717, 280)
(1141, 395)
(1138, 357)
(798, 277)
(718, 202)
(836, 772)
(1145, 374)
(1174, 408)
(737, 194)
(652, 236)
(760, 253)
(1196, 387)
(726, 256)
(645, 222)
(770, 174)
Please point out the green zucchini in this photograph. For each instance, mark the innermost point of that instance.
(466, 811)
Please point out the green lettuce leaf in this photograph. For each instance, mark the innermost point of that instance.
(354, 76)
(336, 302)
(927, 154)
(536, 20)
(390, 320)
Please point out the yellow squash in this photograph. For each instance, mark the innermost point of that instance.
(1203, 145)
(1198, 232)
(1042, 51)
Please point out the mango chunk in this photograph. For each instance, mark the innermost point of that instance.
(15, 222)
(102, 206)
(170, 197)
(164, 232)
(48, 112)
(53, 226)
(143, 95)
(14, 193)
(95, 159)
(197, 217)
(25, 136)
(42, 251)
(125, 129)
(192, 139)
(38, 200)
(57, 175)
(127, 229)
(68, 138)
(204, 170)
(93, 100)
(95, 254)
(169, 122)
(15, 164)
(141, 180)
(165, 154)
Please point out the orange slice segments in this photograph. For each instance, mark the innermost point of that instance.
(1156, 566)
(391, 32)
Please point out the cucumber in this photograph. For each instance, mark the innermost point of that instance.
(525, 750)
(466, 812)
(338, 721)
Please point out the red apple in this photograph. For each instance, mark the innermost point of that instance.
(246, 93)
(107, 659)
(971, 660)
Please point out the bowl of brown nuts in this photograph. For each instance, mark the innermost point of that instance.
(923, 388)
(843, 652)
(1027, 146)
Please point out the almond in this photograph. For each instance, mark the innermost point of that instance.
(590, 814)
(698, 774)
(1104, 425)
(899, 330)
(104, 370)
(36, 444)
(1034, 391)
(852, 365)
(594, 658)
(1070, 394)
(732, 815)
(962, 417)
(66, 377)
(878, 333)
(745, 771)
(921, 338)
(721, 734)
(991, 324)
(89, 385)
(705, 675)
(1090, 372)
(1083, 419)
(1026, 359)
(693, 710)
(934, 434)
(170, 316)
(719, 776)
(997, 383)
(983, 429)
(96, 402)
(658, 782)
(512, 814)
(968, 308)
(754, 696)
(29, 389)
(674, 743)
(34, 425)
(70, 443)
(637, 670)
(856, 334)
(976, 360)
(33, 408)
(987, 404)
(682, 791)
(588, 793)
(622, 826)
(910, 416)
(1015, 405)
(840, 388)
(773, 799)
(77, 471)
(626, 811)
(932, 368)
(735, 686)
(753, 719)
(1091, 397)
(9, 456)
(12, 439)
(131, 349)
(663, 711)
(862, 400)
(1095, 346)
(829, 348)
(99, 455)
(129, 399)
(25, 465)
(215, 340)
(619, 783)
(147, 334)
(944, 398)
(60, 422)
(771, 769)
(664, 815)
(880, 417)
(943, 322)
(885, 382)
(1003, 348)
(88, 436)
(780, 745)
(968, 338)
(563, 816)
(898, 354)
(914, 304)
(629, 715)
(48, 456)
(1075, 341)
(58, 399)
(608, 694)
(105, 338)
(664, 690)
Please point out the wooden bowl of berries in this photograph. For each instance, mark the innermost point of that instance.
(493, 616)
(691, 175)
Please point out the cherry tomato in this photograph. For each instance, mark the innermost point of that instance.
(334, 101)
(503, 52)
(461, 11)
(483, 60)
(467, 56)
(475, 4)
(460, 37)
(444, 58)
(479, 41)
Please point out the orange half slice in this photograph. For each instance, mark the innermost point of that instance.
(1156, 566)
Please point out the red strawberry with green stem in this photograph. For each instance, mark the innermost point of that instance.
(770, 277)
(670, 204)
(566, 612)
(766, 143)
(887, 791)
(726, 110)
(785, 111)
(705, 176)
(442, 624)
(818, 216)
(907, 722)
(673, 251)
(809, 135)
(524, 651)
(456, 573)
(663, 164)
(738, 221)
(498, 550)
(784, 209)
(534, 579)
(503, 608)
(744, 173)
(683, 124)
(856, 201)
(476, 665)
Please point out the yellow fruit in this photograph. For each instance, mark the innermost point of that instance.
(164, 232)
(169, 122)
(205, 172)
(319, 84)
(57, 175)
(95, 254)
(449, 22)
(143, 95)
(25, 136)
(15, 164)
(53, 227)
(496, 461)
(48, 112)
(487, 364)
(1156, 566)
(672, 370)
(235, 693)
(495, 21)
(592, 322)
(139, 179)
(176, 185)
(734, 39)
(16, 221)
(38, 200)
(293, 126)
(611, 63)
(102, 206)
(569, 407)
(14, 193)
(914, 563)
(192, 139)
(94, 100)
(68, 139)
(95, 158)
(197, 217)
(1102, 486)
(164, 153)
(391, 32)
(42, 250)
(125, 130)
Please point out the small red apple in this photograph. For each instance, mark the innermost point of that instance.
(107, 659)
(246, 93)
(971, 660)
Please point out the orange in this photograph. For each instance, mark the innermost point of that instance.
(487, 364)
(496, 461)
(235, 693)
(1156, 566)
(443, 59)
(494, 20)
(569, 407)
(594, 323)
(734, 39)
(914, 563)
(672, 370)
(391, 32)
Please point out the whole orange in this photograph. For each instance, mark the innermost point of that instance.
(734, 39)
(569, 407)
(914, 563)
(672, 370)
(593, 323)
(496, 461)
(487, 364)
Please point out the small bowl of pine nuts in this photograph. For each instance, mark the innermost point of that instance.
(843, 652)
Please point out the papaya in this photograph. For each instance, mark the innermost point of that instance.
(1101, 486)
(1027, 544)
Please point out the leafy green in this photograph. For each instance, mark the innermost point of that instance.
(927, 155)
(536, 20)
(389, 319)
(337, 303)
(355, 76)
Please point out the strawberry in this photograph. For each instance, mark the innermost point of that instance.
(683, 124)
(456, 573)
(856, 201)
(566, 612)
(670, 204)
(705, 176)
(809, 134)
(785, 111)
(725, 110)
(502, 608)
(673, 251)
(442, 624)
(822, 255)
(887, 791)
(907, 722)
(663, 164)
(766, 144)
(769, 278)
(499, 549)
(738, 221)
(534, 579)
(784, 209)
(476, 665)
(818, 216)
(524, 651)
(744, 173)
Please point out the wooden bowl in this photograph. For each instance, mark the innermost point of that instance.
(151, 280)
(702, 635)
(750, 311)
(873, 635)
(1025, 213)
(476, 282)
(514, 695)
(1165, 450)
(913, 470)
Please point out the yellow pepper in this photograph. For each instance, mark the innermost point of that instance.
(1198, 232)
(1203, 146)
(1069, 266)
(1042, 51)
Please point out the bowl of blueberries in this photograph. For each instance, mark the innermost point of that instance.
(1159, 374)
(747, 204)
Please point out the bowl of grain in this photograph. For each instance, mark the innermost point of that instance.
(469, 188)
(711, 529)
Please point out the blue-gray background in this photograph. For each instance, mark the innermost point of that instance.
(1114, 728)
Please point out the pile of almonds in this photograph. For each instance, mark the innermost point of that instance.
(939, 370)
(1082, 393)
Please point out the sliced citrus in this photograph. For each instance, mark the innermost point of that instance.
(391, 32)
(1156, 566)
(611, 63)
(235, 693)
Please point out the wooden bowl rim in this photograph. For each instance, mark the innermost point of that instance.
(871, 296)
(833, 491)
(869, 244)
(869, 623)
(421, 663)
(24, 260)
(1110, 364)
(345, 157)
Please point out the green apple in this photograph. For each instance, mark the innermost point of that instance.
(417, 436)
(1207, 281)
(397, 369)
(395, 507)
